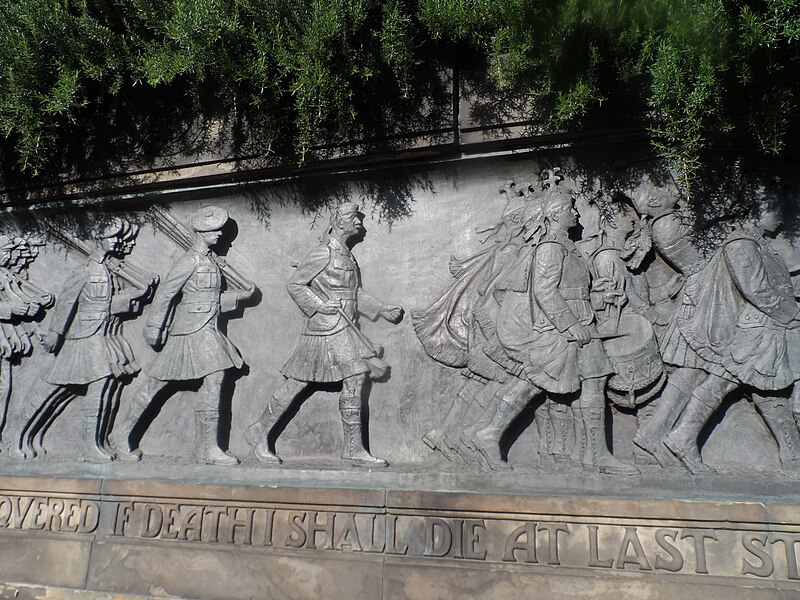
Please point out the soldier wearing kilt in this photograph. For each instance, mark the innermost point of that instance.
(185, 311)
(327, 288)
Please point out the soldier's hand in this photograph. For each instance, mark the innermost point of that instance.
(50, 341)
(152, 335)
(20, 308)
(330, 307)
(601, 283)
(392, 313)
(581, 334)
(614, 297)
(246, 294)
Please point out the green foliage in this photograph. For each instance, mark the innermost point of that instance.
(297, 74)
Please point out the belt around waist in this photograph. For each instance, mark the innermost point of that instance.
(200, 297)
(574, 293)
(343, 294)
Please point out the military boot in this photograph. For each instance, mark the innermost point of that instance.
(93, 450)
(781, 423)
(353, 450)
(596, 454)
(682, 441)
(487, 440)
(257, 434)
(207, 450)
(120, 437)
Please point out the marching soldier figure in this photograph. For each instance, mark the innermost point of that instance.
(546, 322)
(741, 329)
(21, 303)
(184, 317)
(327, 288)
(92, 359)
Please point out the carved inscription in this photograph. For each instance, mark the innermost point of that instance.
(60, 515)
(544, 543)
(252, 526)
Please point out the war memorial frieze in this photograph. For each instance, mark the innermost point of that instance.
(509, 369)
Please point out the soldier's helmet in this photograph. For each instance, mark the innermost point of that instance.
(210, 218)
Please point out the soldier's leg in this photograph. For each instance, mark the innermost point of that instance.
(435, 438)
(644, 413)
(544, 427)
(91, 411)
(682, 440)
(592, 408)
(5, 392)
(515, 397)
(481, 397)
(667, 409)
(479, 417)
(25, 419)
(795, 401)
(129, 415)
(48, 416)
(563, 423)
(350, 410)
(108, 411)
(258, 433)
(207, 450)
(778, 416)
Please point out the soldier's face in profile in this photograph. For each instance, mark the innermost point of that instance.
(565, 214)
(769, 219)
(353, 225)
(111, 244)
(210, 238)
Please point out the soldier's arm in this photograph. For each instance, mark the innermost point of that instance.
(369, 305)
(66, 304)
(168, 290)
(749, 273)
(298, 285)
(546, 275)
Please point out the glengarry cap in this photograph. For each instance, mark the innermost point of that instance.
(210, 218)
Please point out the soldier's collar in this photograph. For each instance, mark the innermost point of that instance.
(333, 242)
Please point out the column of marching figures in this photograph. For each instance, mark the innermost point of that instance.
(626, 310)
(632, 314)
(94, 362)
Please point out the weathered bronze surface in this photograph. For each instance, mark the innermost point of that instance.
(595, 390)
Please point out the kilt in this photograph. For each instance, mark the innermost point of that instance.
(92, 358)
(327, 358)
(195, 355)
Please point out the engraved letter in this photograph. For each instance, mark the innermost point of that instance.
(699, 536)
(297, 535)
(789, 541)
(473, 528)
(760, 551)
(437, 545)
(349, 534)
(153, 519)
(392, 545)
(553, 530)
(528, 546)
(124, 510)
(594, 553)
(674, 565)
(631, 540)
